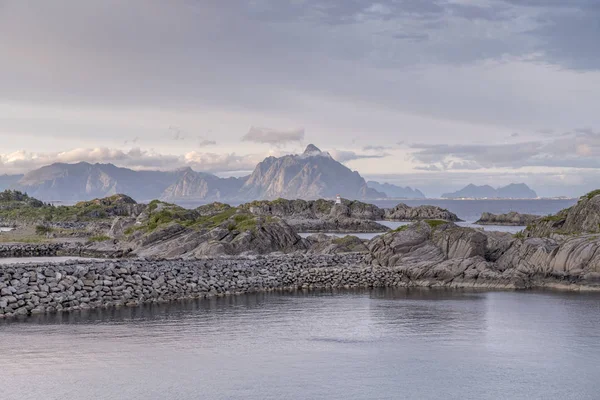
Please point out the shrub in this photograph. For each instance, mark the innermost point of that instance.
(42, 230)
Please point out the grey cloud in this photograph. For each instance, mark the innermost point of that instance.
(577, 150)
(376, 148)
(430, 167)
(273, 136)
(205, 142)
(344, 156)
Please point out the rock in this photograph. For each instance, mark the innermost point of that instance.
(402, 212)
(457, 242)
(583, 217)
(509, 219)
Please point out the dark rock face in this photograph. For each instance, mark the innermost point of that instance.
(509, 219)
(402, 212)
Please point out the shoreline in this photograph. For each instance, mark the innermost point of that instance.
(45, 288)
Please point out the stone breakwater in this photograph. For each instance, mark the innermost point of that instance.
(30, 250)
(27, 289)
(44, 288)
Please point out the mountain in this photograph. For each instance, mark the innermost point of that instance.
(194, 186)
(85, 181)
(7, 181)
(512, 191)
(396, 192)
(516, 191)
(311, 175)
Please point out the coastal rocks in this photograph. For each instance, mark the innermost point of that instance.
(175, 240)
(457, 242)
(324, 244)
(402, 212)
(583, 217)
(321, 215)
(509, 219)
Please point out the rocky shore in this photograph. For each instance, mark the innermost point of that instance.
(46, 288)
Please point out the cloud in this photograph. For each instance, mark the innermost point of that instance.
(176, 133)
(139, 159)
(273, 136)
(205, 142)
(344, 156)
(377, 148)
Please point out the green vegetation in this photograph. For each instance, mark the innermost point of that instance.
(434, 223)
(552, 218)
(345, 241)
(591, 194)
(100, 238)
(519, 235)
(42, 230)
(16, 206)
(401, 228)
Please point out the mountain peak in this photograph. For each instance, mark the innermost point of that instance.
(311, 149)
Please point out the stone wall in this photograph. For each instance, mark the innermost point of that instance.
(29, 250)
(43, 288)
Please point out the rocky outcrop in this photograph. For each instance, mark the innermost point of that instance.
(325, 244)
(402, 212)
(455, 256)
(322, 215)
(510, 219)
(583, 217)
(173, 240)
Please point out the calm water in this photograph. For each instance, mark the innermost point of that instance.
(387, 344)
(394, 225)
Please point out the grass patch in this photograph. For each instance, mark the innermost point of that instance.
(401, 228)
(435, 223)
(551, 218)
(100, 238)
(42, 230)
(344, 241)
(519, 235)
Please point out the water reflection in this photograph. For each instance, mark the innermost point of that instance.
(424, 344)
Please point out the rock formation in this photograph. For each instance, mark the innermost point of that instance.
(510, 219)
(402, 212)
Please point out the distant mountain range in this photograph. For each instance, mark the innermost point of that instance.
(397, 192)
(512, 191)
(310, 175)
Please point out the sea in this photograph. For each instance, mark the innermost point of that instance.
(364, 344)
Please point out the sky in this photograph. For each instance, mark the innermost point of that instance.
(434, 94)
